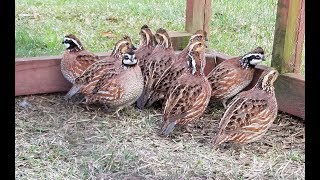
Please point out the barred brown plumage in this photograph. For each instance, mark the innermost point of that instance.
(188, 98)
(231, 76)
(177, 68)
(250, 113)
(147, 45)
(199, 35)
(160, 60)
(75, 58)
(115, 81)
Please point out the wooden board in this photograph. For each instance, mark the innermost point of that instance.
(36, 75)
(179, 39)
(42, 75)
(198, 15)
(39, 75)
(289, 36)
(290, 93)
(289, 87)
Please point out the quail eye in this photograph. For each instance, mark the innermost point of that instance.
(126, 57)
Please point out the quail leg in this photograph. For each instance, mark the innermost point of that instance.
(106, 109)
(117, 112)
(66, 98)
(86, 103)
(109, 110)
(224, 103)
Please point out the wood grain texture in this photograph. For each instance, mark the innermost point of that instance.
(289, 36)
(207, 16)
(290, 93)
(179, 39)
(39, 75)
(198, 15)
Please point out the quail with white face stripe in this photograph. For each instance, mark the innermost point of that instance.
(116, 81)
(189, 96)
(231, 76)
(75, 58)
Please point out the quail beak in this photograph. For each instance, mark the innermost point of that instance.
(206, 39)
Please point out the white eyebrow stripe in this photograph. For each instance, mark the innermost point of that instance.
(165, 39)
(74, 41)
(256, 54)
(147, 36)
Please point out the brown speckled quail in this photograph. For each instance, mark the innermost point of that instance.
(115, 83)
(231, 76)
(160, 61)
(75, 59)
(250, 113)
(147, 44)
(177, 68)
(120, 86)
(88, 79)
(199, 35)
(188, 98)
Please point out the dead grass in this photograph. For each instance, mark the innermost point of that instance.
(55, 140)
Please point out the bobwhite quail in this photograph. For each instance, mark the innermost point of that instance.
(231, 76)
(250, 113)
(177, 69)
(147, 44)
(160, 61)
(120, 86)
(75, 59)
(89, 78)
(199, 35)
(188, 98)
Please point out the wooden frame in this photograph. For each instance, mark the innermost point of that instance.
(39, 75)
(289, 36)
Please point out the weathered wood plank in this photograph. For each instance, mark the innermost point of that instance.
(300, 38)
(42, 75)
(179, 39)
(207, 16)
(289, 87)
(198, 15)
(37, 75)
(289, 36)
(290, 93)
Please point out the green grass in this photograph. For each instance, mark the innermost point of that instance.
(237, 26)
(87, 20)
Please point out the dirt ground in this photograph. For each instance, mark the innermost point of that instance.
(57, 140)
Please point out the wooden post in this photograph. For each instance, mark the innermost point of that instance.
(198, 15)
(289, 36)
